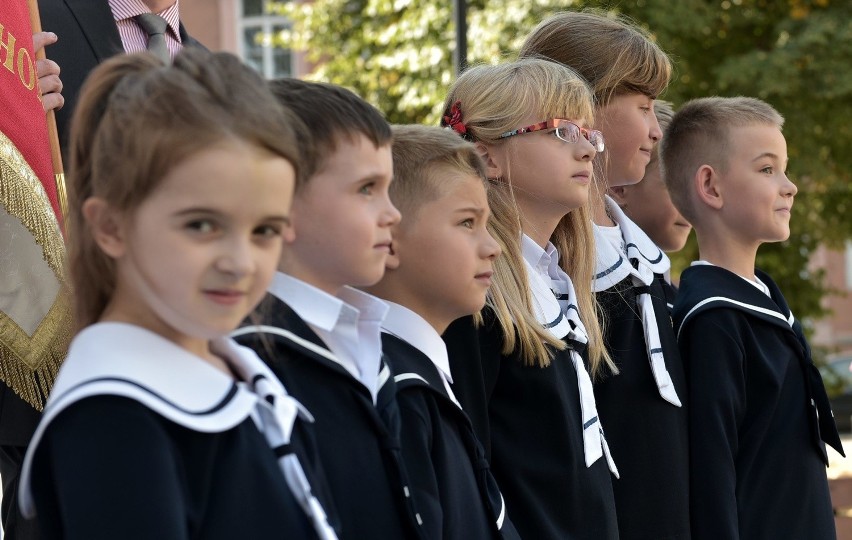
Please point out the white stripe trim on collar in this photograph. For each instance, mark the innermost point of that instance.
(266, 329)
(408, 376)
(752, 307)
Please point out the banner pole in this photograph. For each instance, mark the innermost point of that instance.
(52, 131)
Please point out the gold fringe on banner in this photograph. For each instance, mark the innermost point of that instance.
(29, 363)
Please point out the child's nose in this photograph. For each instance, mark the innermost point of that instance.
(790, 188)
(237, 258)
(491, 247)
(656, 133)
(391, 215)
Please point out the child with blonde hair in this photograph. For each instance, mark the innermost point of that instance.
(439, 269)
(523, 371)
(644, 404)
(760, 417)
(159, 426)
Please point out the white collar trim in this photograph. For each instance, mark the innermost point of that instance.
(412, 328)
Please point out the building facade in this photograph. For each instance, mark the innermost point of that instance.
(241, 27)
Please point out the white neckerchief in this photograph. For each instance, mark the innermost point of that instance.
(126, 360)
(759, 285)
(414, 330)
(277, 412)
(349, 324)
(544, 264)
(642, 260)
(545, 306)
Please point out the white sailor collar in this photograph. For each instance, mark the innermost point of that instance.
(322, 310)
(413, 329)
(545, 305)
(124, 360)
(611, 266)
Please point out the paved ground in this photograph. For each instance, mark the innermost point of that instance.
(838, 465)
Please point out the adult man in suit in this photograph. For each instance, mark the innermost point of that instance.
(90, 31)
(80, 34)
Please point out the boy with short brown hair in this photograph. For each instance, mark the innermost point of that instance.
(759, 414)
(325, 333)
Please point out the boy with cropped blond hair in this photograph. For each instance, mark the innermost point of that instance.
(759, 414)
(439, 269)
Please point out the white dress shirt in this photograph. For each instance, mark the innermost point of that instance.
(349, 324)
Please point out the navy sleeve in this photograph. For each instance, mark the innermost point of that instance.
(107, 469)
(416, 441)
(714, 361)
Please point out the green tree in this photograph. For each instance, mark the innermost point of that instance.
(795, 54)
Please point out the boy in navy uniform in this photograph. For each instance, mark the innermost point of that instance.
(759, 415)
(439, 269)
(320, 335)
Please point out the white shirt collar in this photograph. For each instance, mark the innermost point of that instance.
(349, 324)
(412, 328)
(539, 263)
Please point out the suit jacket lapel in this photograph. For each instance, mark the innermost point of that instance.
(97, 23)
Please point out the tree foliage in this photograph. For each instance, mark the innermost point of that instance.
(795, 54)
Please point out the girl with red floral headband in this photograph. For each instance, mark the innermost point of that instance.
(523, 367)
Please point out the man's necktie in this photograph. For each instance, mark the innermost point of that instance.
(155, 26)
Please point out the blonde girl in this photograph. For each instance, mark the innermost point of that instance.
(159, 426)
(644, 404)
(524, 372)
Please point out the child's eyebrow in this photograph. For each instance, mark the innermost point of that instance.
(478, 210)
(769, 155)
(200, 210)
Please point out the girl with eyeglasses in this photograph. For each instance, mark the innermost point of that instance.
(523, 367)
(644, 404)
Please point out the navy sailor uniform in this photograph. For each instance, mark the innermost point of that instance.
(357, 439)
(452, 484)
(142, 439)
(644, 406)
(530, 421)
(759, 413)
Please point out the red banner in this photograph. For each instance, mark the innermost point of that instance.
(22, 119)
(34, 301)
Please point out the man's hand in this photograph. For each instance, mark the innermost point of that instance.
(49, 82)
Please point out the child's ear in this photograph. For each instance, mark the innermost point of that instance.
(106, 225)
(706, 182)
(619, 195)
(492, 165)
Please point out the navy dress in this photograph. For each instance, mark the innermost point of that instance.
(530, 422)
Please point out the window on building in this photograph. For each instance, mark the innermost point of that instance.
(257, 26)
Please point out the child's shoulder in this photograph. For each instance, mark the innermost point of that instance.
(708, 291)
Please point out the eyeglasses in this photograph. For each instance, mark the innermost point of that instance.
(565, 130)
